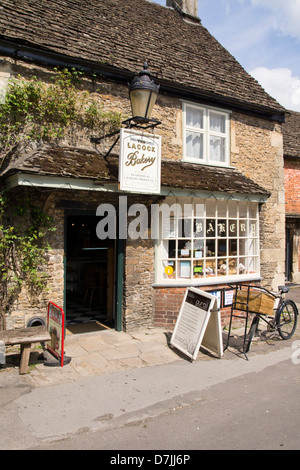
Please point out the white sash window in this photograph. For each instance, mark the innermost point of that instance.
(206, 135)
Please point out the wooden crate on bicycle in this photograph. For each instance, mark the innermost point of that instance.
(258, 302)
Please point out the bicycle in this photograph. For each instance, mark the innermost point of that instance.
(283, 319)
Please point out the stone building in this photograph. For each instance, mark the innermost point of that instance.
(221, 162)
(291, 146)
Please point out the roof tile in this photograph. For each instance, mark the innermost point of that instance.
(291, 134)
(123, 33)
(87, 164)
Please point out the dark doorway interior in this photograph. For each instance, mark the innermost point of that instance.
(89, 273)
(288, 254)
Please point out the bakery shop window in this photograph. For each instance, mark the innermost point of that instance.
(208, 239)
(206, 135)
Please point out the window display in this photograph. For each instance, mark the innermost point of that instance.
(209, 239)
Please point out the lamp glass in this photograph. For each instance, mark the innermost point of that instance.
(142, 102)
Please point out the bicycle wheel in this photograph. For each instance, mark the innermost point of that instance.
(286, 319)
(252, 331)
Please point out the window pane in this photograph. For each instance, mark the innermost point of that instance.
(233, 228)
(184, 228)
(253, 265)
(222, 246)
(184, 249)
(194, 145)
(210, 248)
(243, 232)
(232, 267)
(217, 151)
(222, 208)
(210, 269)
(222, 267)
(198, 228)
(243, 266)
(210, 228)
(253, 228)
(233, 247)
(210, 208)
(222, 228)
(199, 209)
(253, 210)
(168, 227)
(169, 249)
(198, 269)
(253, 246)
(169, 269)
(198, 249)
(194, 117)
(185, 269)
(232, 208)
(216, 122)
(243, 206)
(243, 247)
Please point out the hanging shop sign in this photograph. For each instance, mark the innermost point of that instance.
(198, 324)
(56, 328)
(140, 162)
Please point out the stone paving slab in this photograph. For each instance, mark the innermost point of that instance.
(110, 351)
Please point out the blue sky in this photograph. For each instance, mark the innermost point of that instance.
(264, 36)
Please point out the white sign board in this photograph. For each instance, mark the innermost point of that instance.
(140, 162)
(198, 323)
(4, 78)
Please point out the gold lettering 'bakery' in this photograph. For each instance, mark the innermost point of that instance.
(133, 159)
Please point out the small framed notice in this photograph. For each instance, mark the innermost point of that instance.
(56, 328)
(198, 323)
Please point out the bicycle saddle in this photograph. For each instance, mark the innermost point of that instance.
(284, 289)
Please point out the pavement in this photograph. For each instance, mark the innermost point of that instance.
(107, 351)
(116, 377)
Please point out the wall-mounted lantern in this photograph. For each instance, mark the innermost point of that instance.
(142, 93)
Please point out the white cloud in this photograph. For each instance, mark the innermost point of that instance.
(286, 15)
(281, 84)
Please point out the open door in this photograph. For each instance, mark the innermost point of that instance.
(89, 273)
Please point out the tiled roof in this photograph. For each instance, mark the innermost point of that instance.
(291, 135)
(86, 164)
(121, 34)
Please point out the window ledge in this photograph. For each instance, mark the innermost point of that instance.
(207, 281)
(195, 161)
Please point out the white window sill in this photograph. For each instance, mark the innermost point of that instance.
(196, 161)
(207, 281)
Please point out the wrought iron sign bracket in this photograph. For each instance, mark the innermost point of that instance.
(131, 123)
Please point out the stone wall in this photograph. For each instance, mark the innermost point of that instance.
(257, 151)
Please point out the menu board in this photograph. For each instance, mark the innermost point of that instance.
(198, 323)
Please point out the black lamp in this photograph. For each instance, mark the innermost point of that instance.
(143, 93)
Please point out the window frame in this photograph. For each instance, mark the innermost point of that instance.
(247, 245)
(207, 133)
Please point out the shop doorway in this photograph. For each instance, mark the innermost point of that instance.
(288, 254)
(89, 276)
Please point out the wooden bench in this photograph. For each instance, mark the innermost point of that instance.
(25, 337)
